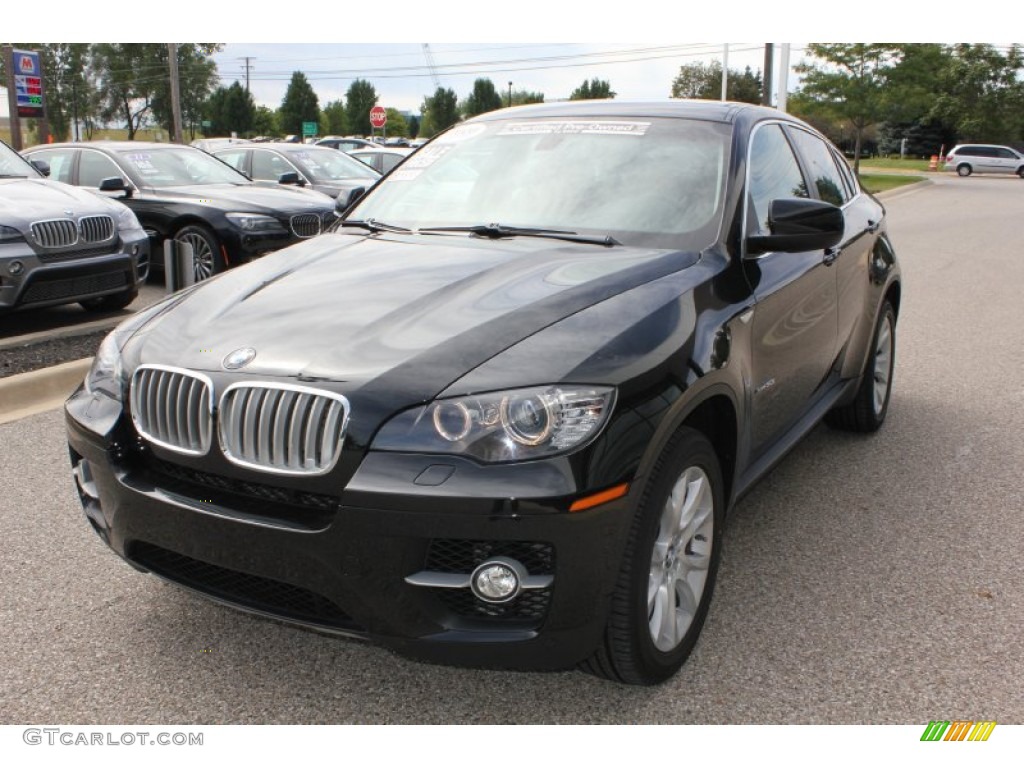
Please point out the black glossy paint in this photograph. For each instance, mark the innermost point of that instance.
(752, 348)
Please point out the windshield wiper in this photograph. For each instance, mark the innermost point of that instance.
(500, 230)
(372, 225)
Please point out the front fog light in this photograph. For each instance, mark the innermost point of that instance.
(496, 581)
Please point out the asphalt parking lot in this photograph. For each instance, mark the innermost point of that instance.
(865, 580)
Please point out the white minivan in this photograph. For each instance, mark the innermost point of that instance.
(966, 159)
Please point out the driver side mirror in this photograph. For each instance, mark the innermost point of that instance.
(799, 224)
(42, 166)
(291, 177)
(116, 184)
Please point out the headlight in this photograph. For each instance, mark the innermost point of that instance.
(254, 222)
(105, 374)
(10, 234)
(516, 425)
(126, 218)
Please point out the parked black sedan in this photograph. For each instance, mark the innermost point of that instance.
(498, 416)
(324, 169)
(184, 193)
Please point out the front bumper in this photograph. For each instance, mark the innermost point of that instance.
(35, 278)
(339, 562)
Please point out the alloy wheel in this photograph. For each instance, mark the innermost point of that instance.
(680, 559)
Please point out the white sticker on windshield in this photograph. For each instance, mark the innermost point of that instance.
(405, 175)
(460, 133)
(607, 127)
(426, 157)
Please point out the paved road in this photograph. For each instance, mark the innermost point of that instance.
(866, 580)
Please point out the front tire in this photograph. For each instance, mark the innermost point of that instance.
(867, 411)
(207, 259)
(669, 568)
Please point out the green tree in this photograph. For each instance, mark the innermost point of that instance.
(335, 118)
(981, 95)
(527, 97)
(414, 127)
(132, 81)
(593, 89)
(231, 110)
(849, 80)
(704, 81)
(265, 122)
(360, 98)
(396, 125)
(197, 78)
(484, 98)
(440, 111)
(300, 105)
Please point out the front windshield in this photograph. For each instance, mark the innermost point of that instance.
(179, 166)
(325, 164)
(13, 164)
(644, 181)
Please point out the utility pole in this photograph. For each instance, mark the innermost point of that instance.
(248, 66)
(766, 80)
(725, 71)
(783, 77)
(510, 93)
(172, 55)
(12, 98)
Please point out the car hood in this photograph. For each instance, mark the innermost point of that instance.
(397, 318)
(247, 197)
(43, 199)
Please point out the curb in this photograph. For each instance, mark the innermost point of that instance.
(906, 189)
(82, 329)
(26, 394)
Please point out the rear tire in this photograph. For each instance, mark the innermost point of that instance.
(669, 568)
(964, 169)
(867, 411)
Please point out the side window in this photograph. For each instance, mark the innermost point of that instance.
(94, 168)
(774, 174)
(235, 158)
(268, 166)
(60, 161)
(822, 167)
(852, 188)
(1006, 154)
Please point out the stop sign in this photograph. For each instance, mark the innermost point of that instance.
(378, 117)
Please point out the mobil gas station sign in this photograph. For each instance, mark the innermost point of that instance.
(28, 83)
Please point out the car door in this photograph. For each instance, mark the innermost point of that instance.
(1007, 160)
(835, 183)
(795, 318)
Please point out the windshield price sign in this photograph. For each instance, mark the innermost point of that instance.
(28, 83)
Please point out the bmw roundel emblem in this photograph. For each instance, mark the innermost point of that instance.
(239, 358)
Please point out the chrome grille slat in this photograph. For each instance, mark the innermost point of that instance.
(55, 233)
(305, 225)
(96, 229)
(172, 407)
(282, 428)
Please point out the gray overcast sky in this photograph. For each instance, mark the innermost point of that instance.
(638, 45)
(400, 73)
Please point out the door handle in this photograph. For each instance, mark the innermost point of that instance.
(831, 254)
